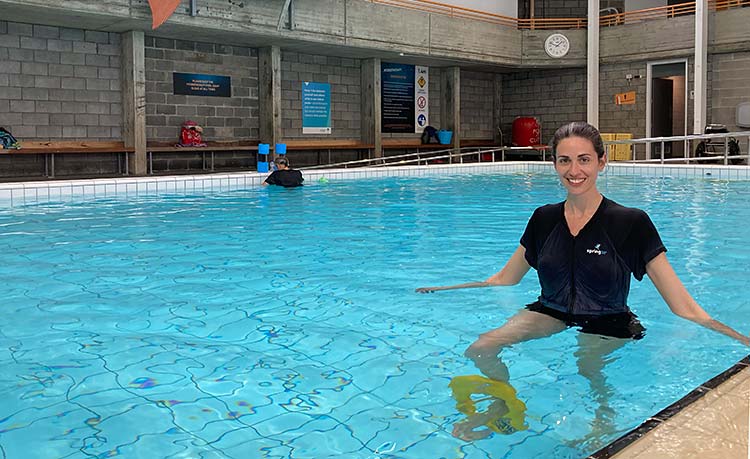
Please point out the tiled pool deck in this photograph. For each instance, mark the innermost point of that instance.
(710, 422)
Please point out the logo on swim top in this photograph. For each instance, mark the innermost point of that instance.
(597, 250)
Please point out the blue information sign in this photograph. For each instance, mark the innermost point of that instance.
(397, 94)
(195, 84)
(316, 108)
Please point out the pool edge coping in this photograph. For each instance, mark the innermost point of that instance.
(647, 426)
(38, 192)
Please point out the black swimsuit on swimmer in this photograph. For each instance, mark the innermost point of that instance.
(617, 325)
(585, 279)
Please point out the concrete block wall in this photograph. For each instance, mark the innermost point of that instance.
(477, 105)
(622, 118)
(59, 83)
(343, 74)
(729, 87)
(555, 8)
(554, 97)
(632, 118)
(564, 9)
(222, 118)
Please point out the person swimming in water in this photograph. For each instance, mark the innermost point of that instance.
(284, 175)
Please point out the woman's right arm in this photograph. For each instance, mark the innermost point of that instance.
(511, 274)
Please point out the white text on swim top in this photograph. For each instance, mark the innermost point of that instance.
(597, 250)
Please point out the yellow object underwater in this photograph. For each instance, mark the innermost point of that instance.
(497, 419)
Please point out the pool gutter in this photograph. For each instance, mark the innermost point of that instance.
(664, 415)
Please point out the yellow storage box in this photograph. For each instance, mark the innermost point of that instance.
(618, 152)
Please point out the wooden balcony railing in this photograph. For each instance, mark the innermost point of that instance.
(671, 11)
(450, 10)
(552, 23)
(431, 6)
(629, 17)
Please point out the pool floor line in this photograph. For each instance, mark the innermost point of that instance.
(656, 420)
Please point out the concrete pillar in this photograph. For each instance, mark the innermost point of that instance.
(269, 94)
(450, 103)
(592, 64)
(497, 109)
(133, 68)
(372, 122)
(701, 66)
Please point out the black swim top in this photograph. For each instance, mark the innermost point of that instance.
(288, 178)
(590, 273)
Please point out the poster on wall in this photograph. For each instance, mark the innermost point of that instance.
(196, 84)
(397, 96)
(421, 98)
(316, 108)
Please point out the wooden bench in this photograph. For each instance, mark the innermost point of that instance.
(210, 149)
(328, 145)
(59, 147)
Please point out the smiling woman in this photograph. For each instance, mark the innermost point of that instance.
(585, 250)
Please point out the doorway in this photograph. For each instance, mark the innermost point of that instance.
(666, 114)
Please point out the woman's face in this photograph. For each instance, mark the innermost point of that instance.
(577, 165)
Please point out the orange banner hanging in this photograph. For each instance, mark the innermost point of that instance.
(161, 10)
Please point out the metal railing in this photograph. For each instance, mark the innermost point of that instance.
(725, 148)
(627, 17)
(448, 155)
(715, 148)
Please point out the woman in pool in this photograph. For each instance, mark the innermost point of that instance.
(584, 251)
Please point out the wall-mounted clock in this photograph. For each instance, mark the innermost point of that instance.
(557, 45)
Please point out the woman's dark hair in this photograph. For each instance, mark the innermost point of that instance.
(578, 129)
(281, 160)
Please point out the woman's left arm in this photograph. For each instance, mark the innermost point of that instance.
(680, 301)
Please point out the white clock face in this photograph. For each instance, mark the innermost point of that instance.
(557, 45)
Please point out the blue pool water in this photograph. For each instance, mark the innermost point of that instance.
(284, 324)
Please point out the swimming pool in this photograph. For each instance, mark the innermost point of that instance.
(284, 323)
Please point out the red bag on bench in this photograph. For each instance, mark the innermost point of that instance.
(191, 135)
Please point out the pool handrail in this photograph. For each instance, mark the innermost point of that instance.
(450, 154)
(689, 153)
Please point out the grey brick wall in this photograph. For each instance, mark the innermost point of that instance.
(476, 105)
(729, 86)
(632, 118)
(222, 118)
(622, 118)
(343, 74)
(554, 97)
(59, 83)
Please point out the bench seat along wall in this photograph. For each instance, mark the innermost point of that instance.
(232, 118)
(59, 84)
